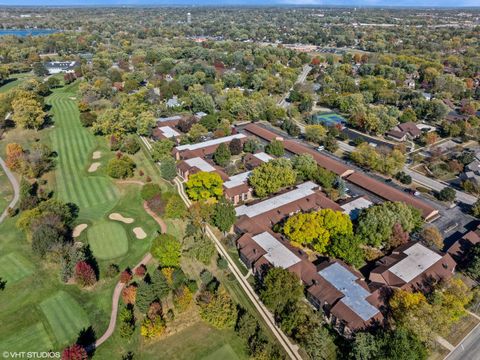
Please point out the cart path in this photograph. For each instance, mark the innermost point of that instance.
(16, 189)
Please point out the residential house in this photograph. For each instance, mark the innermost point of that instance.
(204, 148)
(460, 248)
(402, 132)
(412, 266)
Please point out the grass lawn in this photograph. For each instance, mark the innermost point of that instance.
(461, 329)
(94, 194)
(15, 80)
(14, 267)
(107, 239)
(225, 352)
(6, 191)
(32, 338)
(65, 316)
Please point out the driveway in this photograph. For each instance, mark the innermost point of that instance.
(16, 189)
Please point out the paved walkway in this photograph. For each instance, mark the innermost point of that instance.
(115, 299)
(117, 292)
(16, 189)
(157, 218)
(290, 349)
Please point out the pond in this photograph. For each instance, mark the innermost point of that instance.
(27, 32)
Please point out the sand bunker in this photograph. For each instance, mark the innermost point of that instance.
(78, 230)
(139, 233)
(118, 217)
(96, 155)
(94, 167)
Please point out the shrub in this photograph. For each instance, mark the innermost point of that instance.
(121, 168)
(74, 352)
(150, 190)
(112, 270)
(84, 274)
(446, 194)
(125, 276)
(222, 263)
(152, 328)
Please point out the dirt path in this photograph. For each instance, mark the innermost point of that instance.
(16, 189)
(155, 217)
(115, 298)
(135, 182)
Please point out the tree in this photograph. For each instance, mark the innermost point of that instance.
(152, 328)
(275, 148)
(219, 310)
(315, 133)
(316, 229)
(121, 168)
(432, 237)
(235, 146)
(281, 289)
(127, 322)
(270, 177)
(167, 250)
(130, 144)
(210, 122)
(14, 156)
(201, 248)
(39, 69)
(145, 123)
(375, 224)
(145, 296)
(84, 274)
(204, 185)
(182, 298)
(175, 208)
(222, 155)
(74, 352)
(162, 148)
(168, 168)
(305, 166)
(129, 294)
(473, 265)
(28, 113)
(45, 238)
(446, 194)
(224, 215)
(398, 237)
(348, 248)
(319, 344)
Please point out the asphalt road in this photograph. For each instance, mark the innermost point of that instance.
(437, 186)
(15, 186)
(301, 79)
(468, 349)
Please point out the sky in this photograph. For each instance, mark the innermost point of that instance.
(356, 3)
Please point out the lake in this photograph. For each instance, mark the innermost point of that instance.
(27, 32)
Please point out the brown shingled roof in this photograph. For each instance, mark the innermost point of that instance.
(391, 194)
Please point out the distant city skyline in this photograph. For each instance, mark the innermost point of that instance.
(352, 3)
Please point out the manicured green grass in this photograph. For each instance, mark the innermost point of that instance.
(17, 79)
(6, 191)
(32, 338)
(107, 239)
(14, 267)
(225, 352)
(94, 194)
(65, 316)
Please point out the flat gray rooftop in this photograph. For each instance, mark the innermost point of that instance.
(419, 259)
(201, 164)
(354, 295)
(210, 142)
(277, 253)
(302, 190)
